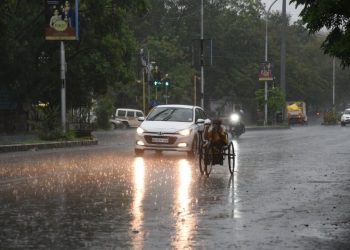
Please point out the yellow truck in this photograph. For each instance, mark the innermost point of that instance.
(296, 112)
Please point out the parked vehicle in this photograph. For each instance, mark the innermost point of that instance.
(125, 118)
(296, 112)
(171, 128)
(236, 125)
(345, 117)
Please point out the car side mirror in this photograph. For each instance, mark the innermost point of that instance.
(141, 119)
(200, 121)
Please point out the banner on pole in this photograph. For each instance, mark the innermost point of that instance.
(62, 22)
(265, 73)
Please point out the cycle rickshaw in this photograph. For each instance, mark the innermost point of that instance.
(210, 155)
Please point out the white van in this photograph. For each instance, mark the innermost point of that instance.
(125, 118)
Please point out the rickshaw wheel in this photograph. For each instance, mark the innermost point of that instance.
(231, 157)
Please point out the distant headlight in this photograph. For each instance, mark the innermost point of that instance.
(185, 132)
(139, 131)
(234, 118)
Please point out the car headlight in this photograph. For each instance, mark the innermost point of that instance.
(139, 131)
(185, 132)
(234, 118)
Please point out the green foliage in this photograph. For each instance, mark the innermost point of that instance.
(106, 58)
(275, 101)
(333, 15)
(330, 117)
(48, 124)
(104, 111)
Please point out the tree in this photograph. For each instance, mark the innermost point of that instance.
(333, 15)
(102, 58)
(275, 102)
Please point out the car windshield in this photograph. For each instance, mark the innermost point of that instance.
(173, 114)
(347, 112)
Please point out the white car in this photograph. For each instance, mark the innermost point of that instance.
(345, 118)
(126, 118)
(170, 128)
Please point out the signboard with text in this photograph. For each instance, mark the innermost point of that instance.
(62, 20)
(265, 73)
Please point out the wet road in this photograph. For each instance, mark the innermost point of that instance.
(291, 189)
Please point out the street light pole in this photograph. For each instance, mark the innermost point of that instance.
(202, 55)
(194, 90)
(333, 82)
(266, 58)
(63, 88)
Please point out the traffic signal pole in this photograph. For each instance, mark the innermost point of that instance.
(148, 78)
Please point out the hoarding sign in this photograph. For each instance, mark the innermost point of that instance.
(62, 20)
(265, 73)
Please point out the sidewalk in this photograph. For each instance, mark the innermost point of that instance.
(254, 127)
(27, 141)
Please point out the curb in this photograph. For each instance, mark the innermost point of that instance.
(266, 127)
(46, 145)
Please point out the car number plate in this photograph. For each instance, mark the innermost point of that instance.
(160, 140)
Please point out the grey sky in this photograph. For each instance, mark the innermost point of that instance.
(294, 13)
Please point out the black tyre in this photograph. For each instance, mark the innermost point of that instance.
(194, 149)
(139, 152)
(124, 125)
(231, 157)
(201, 158)
(208, 161)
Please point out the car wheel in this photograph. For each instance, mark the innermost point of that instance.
(194, 149)
(125, 125)
(139, 152)
(342, 124)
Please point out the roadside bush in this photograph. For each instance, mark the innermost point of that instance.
(47, 124)
(104, 112)
(331, 117)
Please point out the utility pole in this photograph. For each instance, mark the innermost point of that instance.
(266, 58)
(195, 90)
(283, 48)
(333, 82)
(63, 88)
(202, 56)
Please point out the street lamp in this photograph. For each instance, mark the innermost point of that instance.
(266, 43)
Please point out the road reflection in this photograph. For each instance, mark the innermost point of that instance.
(137, 206)
(185, 222)
(236, 148)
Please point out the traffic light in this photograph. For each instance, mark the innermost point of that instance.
(157, 82)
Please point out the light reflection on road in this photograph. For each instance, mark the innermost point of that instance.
(137, 206)
(185, 222)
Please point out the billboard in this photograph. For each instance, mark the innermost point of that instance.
(265, 73)
(61, 20)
